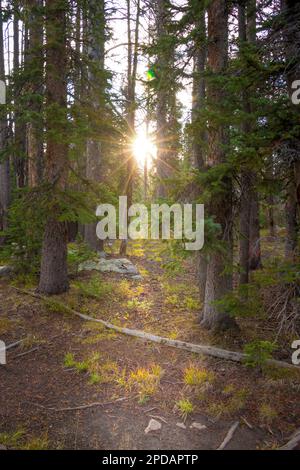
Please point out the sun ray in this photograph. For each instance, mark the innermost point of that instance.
(144, 149)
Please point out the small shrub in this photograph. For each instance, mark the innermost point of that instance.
(185, 407)
(192, 304)
(194, 376)
(258, 352)
(267, 414)
(37, 443)
(145, 381)
(95, 378)
(95, 288)
(69, 360)
(12, 439)
(5, 325)
(78, 253)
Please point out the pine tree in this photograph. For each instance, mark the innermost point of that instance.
(218, 280)
(54, 273)
(4, 158)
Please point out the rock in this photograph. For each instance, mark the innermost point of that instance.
(2, 447)
(137, 277)
(102, 254)
(198, 426)
(181, 425)
(5, 270)
(113, 265)
(153, 426)
(88, 266)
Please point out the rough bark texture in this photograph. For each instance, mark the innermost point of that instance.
(4, 165)
(198, 157)
(94, 164)
(218, 283)
(291, 219)
(249, 243)
(163, 167)
(254, 249)
(132, 59)
(34, 65)
(19, 126)
(199, 135)
(54, 275)
(291, 15)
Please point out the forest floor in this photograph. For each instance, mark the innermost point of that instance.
(65, 362)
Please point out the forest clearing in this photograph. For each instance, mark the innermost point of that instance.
(149, 225)
(65, 362)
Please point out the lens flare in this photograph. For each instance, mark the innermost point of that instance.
(143, 149)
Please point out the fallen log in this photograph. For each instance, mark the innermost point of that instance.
(194, 348)
(12, 345)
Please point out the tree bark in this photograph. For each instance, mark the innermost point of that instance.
(54, 273)
(19, 129)
(163, 167)
(218, 282)
(249, 243)
(291, 30)
(254, 249)
(34, 65)
(94, 163)
(132, 59)
(199, 137)
(5, 164)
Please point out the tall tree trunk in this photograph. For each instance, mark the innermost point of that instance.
(218, 282)
(246, 176)
(4, 165)
(291, 220)
(54, 273)
(162, 167)
(130, 107)
(291, 30)
(199, 137)
(19, 131)
(255, 250)
(34, 65)
(94, 157)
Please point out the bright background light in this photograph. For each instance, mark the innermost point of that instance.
(143, 149)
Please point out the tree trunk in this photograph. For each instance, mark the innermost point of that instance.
(162, 166)
(254, 248)
(199, 137)
(271, 218)
(246, 182)
(291, 11)
(291, 220)
(198, 99)
(34, 65)
(19, 130)
(94, 164)
(130, 108)
(218, 282)
(54, 274)
(4, 165)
